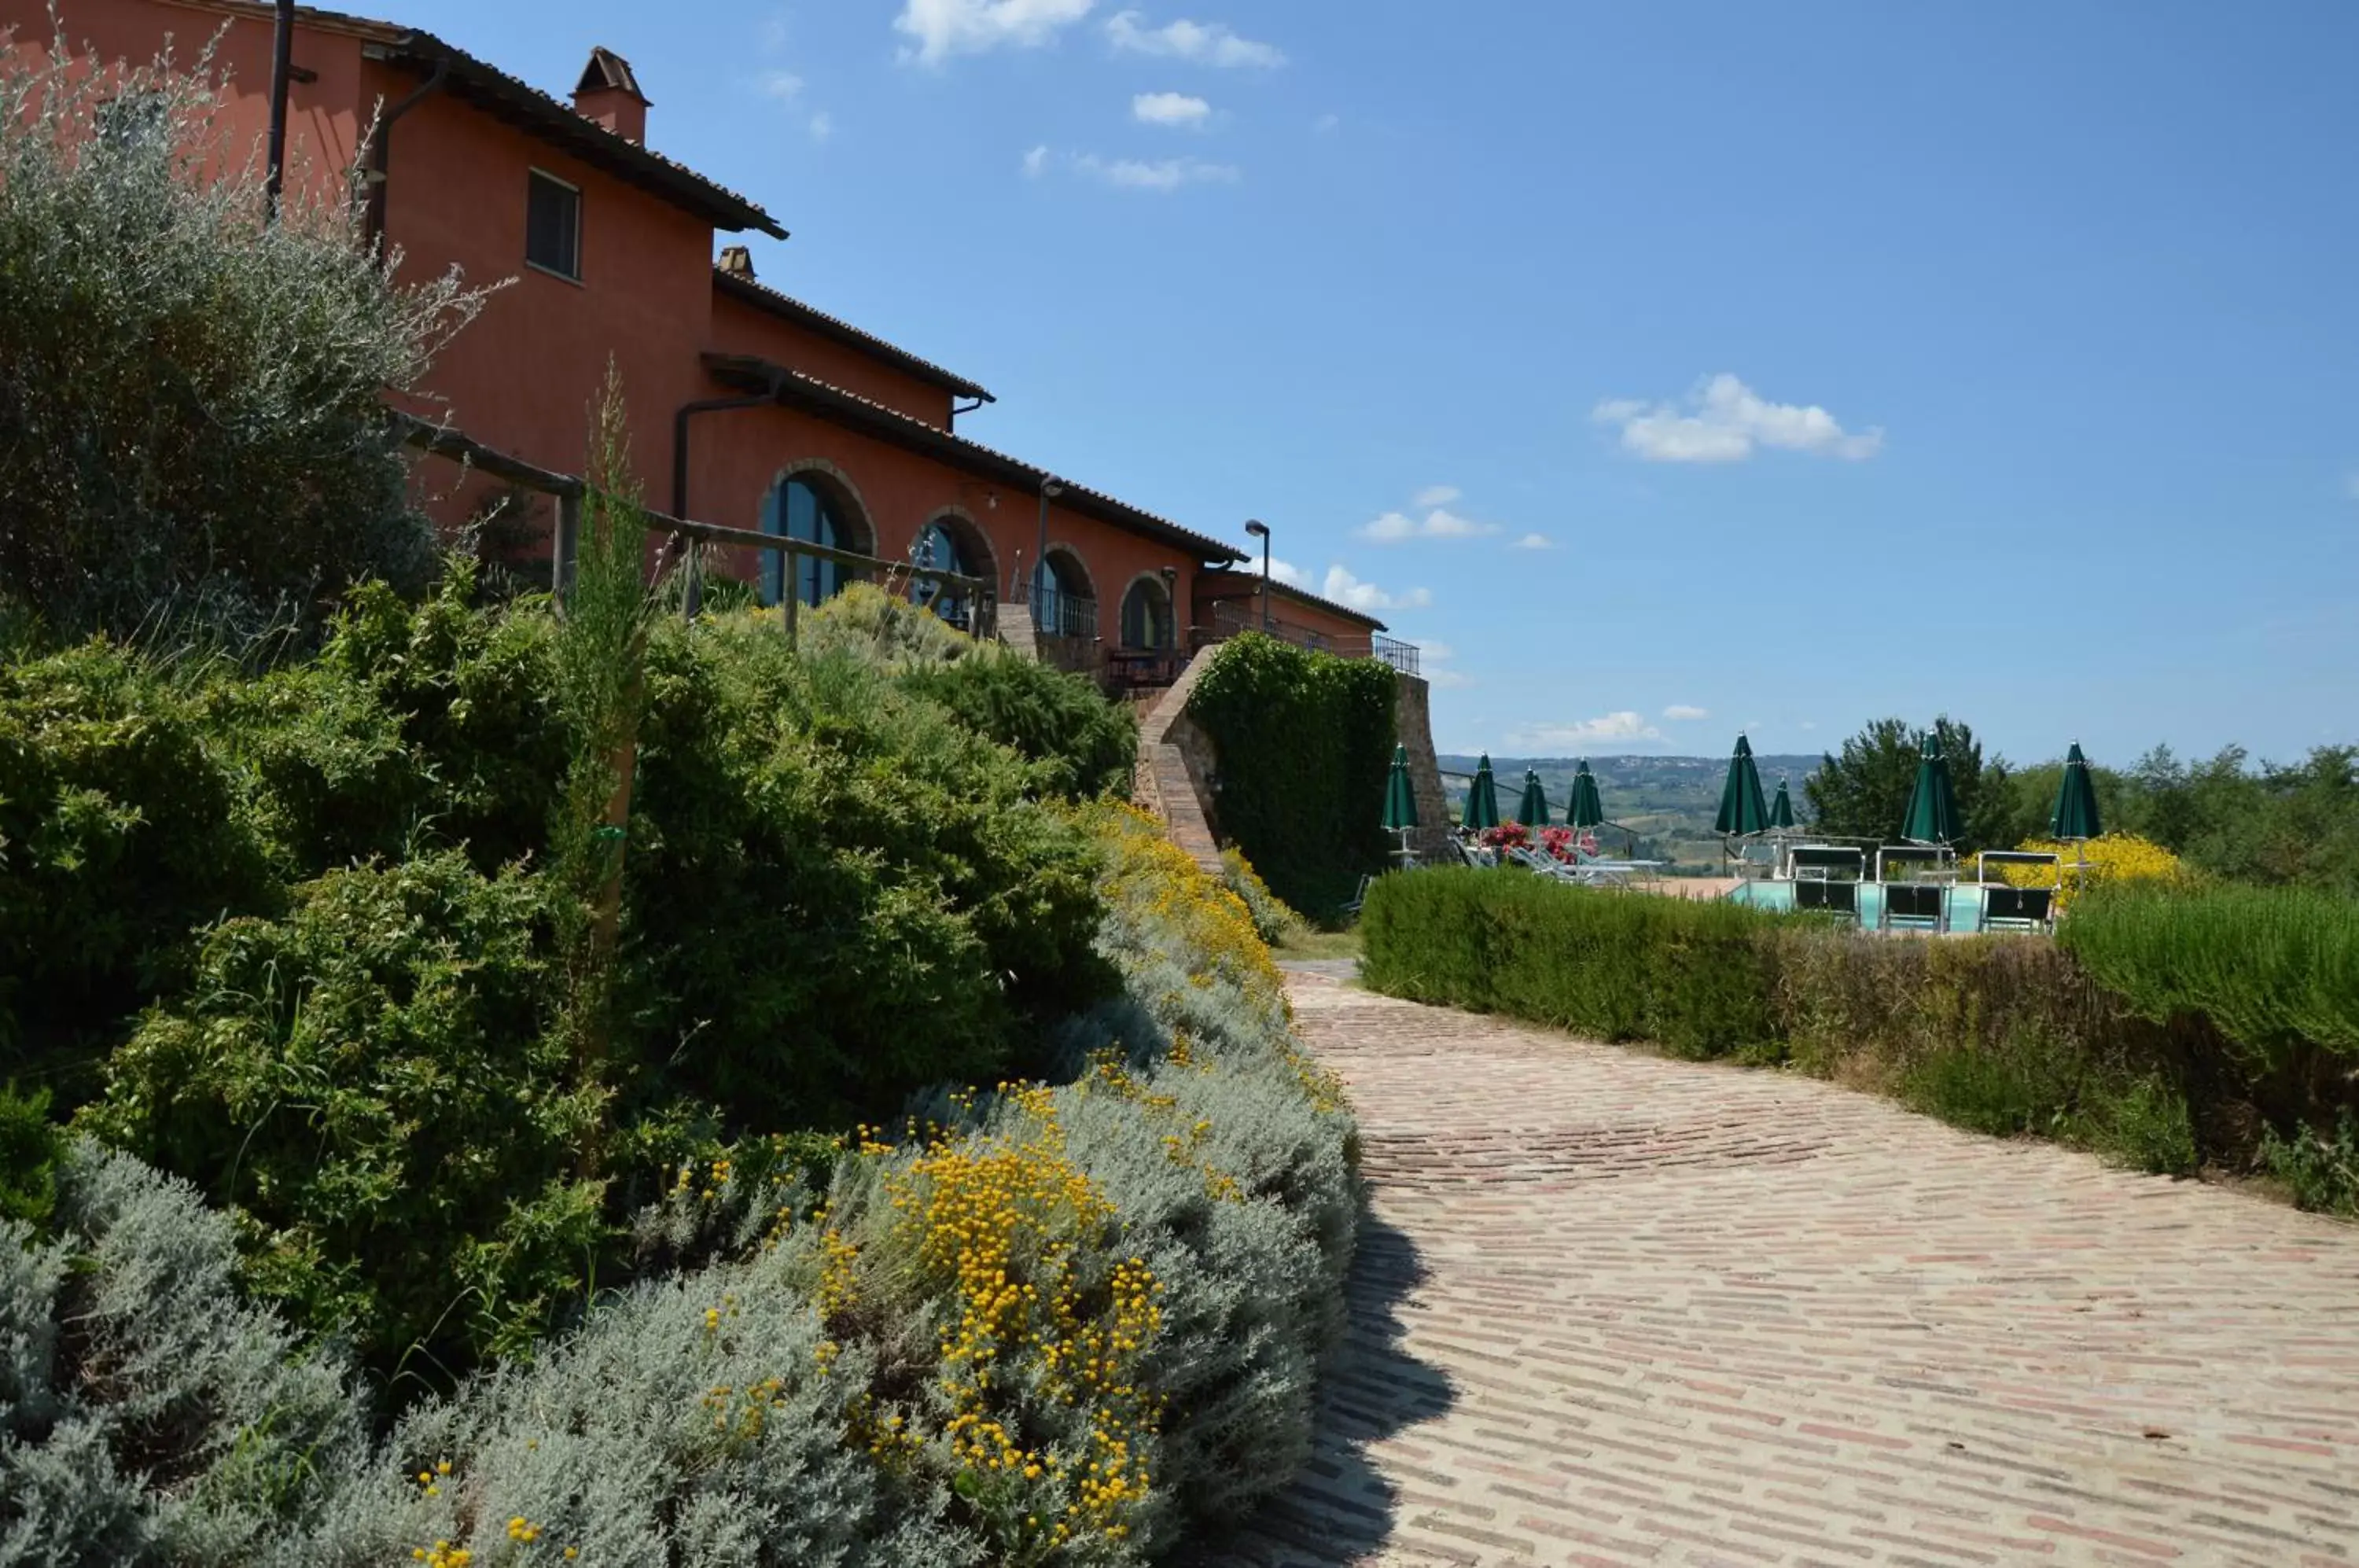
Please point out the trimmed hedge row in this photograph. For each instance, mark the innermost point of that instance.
(2114, 1035)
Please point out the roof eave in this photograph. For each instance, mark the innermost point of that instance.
(507, 98)
(762, 297)
(792, 389)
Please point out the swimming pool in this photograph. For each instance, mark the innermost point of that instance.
(1965, 903)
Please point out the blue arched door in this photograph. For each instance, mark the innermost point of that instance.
(939, 550)
(797, 508)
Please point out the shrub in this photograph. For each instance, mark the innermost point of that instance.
(1304, 741)
(1086, 745)
(837, 892)
(370, 1082)
(2003, 1035)
(121, 829)
(1046, 1324)
(2275, 969)
(2321, 1172)
(1273, 921)
(30, 1146)
(1692, 976)
(192, 397)
(2107, 861)
(148, 1414)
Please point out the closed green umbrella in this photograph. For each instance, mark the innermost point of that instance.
(1585, 810)
(1481, 798)
(1742, 810)
(1781, 810)
(1401, 801)
(2075, 816)
(1532, 809)
(1932, 806)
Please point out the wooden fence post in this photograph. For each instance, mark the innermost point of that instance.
(793, 596)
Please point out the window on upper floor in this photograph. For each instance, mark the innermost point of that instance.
(553, 226)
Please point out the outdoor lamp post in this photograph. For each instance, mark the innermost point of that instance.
(1049, 490)
(1256, 529)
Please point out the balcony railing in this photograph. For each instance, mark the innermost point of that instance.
(1056, 613)
(1401, 656)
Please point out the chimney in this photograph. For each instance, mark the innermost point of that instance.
(610, 94)
(737, 261)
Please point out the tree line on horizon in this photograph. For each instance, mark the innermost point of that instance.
(2291, 825)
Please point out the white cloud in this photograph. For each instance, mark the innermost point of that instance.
(1170, 109)
(1433, 662)
(1810, 724)
(1286, 571)
(1684, 711)
(1163, 174)
(1436, 496)
(1346, 589)
(1203, 43)
(1035, 162)
(773, 32)
(1435, 524)
(1724, 420)
(823, 125)
(941, 28)
(2350, 486)
(783, 85)
(1604, 729)
(1324, 126)
(1535, 542)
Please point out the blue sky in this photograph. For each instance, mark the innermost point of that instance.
(1787, 367)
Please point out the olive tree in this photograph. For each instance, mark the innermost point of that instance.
(190, 396)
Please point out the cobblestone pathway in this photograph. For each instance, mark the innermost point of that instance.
(1612, 1309)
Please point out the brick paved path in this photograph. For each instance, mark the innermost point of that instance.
(1612, 1309)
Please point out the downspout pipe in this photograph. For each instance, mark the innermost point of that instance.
(380, 151)
(282, 63)
(688, 411)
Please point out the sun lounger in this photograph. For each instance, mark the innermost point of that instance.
(1914, 904)
(1828, 897)
(2018, 908)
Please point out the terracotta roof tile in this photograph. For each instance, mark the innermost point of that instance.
(764, 297)
(511, 98)
(1250, 581)
(891, 424)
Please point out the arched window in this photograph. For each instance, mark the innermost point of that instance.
(1063, 603)
(798, 508)
(939, 550)
(1147, 616)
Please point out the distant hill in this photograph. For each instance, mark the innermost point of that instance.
(1666, 803)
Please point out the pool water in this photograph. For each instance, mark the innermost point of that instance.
(1965, 903)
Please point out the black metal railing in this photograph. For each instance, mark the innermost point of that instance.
(1401, 656)
(1057, 612)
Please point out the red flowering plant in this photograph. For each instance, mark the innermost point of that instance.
(1506, 837)
(1557, 842)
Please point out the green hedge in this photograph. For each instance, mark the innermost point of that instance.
(1304, 740)
(2171, 1031)
(1690, 976)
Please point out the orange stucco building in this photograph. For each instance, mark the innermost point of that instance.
(608, 250)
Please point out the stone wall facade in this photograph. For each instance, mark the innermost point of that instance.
(1412, 718)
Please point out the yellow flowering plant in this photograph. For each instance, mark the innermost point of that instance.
(2107, 861)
